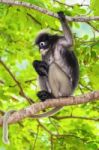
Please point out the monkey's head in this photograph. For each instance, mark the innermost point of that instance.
(45, 41)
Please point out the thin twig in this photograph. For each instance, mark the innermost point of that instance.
(36, 137)
(52, 145)
(17, 82)
(93, 26)
(75, 117)
(35, 20)
(45, 128)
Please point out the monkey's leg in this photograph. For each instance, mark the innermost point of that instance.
(43, 95)
(45, 92)
(60, 83)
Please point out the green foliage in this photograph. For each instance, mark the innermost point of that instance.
(18, 29)
(95, 6)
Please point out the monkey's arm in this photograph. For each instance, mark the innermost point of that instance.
(68, 42)
(41, 67)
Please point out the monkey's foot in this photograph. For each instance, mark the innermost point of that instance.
(43, 95)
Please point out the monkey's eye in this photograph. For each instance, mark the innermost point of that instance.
(42, 43)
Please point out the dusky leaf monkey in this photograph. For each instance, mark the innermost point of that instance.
(58, 70)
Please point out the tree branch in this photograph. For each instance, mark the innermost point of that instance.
(44, 11)
(93, 26)
(37, 107)
(17, 82)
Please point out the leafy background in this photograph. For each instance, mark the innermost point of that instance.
(18, 29)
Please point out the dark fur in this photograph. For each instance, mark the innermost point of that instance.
(41, 67)
(72, 61)
(51, 39)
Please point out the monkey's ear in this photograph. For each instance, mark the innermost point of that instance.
(61, 15)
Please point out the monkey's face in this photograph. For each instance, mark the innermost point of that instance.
(43, 42)
(43, 47)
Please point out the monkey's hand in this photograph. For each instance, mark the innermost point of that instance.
(41, 67)
(61, 16)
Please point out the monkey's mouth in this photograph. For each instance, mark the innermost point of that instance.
(43, 51)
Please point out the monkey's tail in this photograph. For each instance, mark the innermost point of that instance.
(5, 126)
(49, 113)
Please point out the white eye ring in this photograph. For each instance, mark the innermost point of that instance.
(42, 43)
